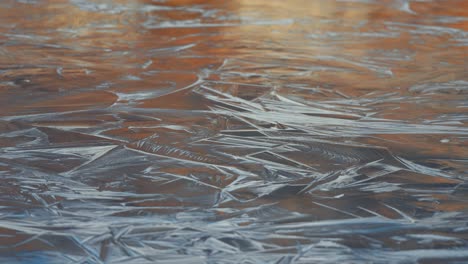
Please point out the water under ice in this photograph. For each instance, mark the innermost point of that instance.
(247, 131)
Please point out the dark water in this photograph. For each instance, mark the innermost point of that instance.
(248, 131)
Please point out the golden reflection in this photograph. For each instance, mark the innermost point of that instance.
(205, 130)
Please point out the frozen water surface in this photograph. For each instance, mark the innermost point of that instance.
(247, 131)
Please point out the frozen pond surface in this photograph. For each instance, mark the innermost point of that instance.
(247, 131)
